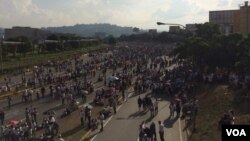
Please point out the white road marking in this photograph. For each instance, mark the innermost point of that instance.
(180, 129)
(93, 138)
(108, 121)
(130, 94)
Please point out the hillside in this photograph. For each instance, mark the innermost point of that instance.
(92, 29)
(214, 102)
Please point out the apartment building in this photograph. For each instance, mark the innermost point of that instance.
(232, 21)
(34, 34)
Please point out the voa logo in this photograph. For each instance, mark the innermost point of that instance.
(236, 132)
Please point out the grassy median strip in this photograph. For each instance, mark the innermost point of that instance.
(36, 59)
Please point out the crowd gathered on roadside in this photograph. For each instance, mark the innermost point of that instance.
(140, 66)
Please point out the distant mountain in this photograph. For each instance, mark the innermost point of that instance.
(93, 30)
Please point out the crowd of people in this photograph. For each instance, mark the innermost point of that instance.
(67, 79)
(145, 67)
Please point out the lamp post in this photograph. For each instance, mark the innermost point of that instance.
(173, 24)
(1, 47)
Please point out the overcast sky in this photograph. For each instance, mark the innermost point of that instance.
(137, 13)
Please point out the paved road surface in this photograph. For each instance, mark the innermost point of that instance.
(124, 125)
(17, 109)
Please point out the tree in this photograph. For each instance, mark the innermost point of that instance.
(4, 51)
(53, 37)
(110, 40)
(193, 48)
(26, 46)
(207, 30)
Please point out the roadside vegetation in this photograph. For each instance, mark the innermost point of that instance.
(226, 55)
(56, 47)
(213, 104)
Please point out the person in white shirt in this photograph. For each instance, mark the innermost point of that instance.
(161, 131)
(52, 119)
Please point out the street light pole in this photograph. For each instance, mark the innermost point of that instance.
(173, 24)
(1, 47)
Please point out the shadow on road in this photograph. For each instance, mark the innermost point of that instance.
(136, 114)
(72, 131)
(54, 108)
(169, 122)
(147, 93)
(121, 118)
(149, 119)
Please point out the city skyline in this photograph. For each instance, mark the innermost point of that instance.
(143, 14)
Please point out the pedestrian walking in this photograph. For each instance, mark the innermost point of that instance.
(63, 98)
(84, 98)
(171, 109)
(153, 131)
(88, 115)
(81, 117)
(37, 95)
(156, 107)
(34, 114)
(139, 102)
(9, 101)
(152, 111)
(2, 116)
(114, 106)
(43, 91)
(101, 117)
(178, 109)
(161, 131)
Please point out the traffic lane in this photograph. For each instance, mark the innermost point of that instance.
(124, 126)
(171, 125)
(42, 105)
(126, 123)
(17, 98)
(45, 104)
(85, 59)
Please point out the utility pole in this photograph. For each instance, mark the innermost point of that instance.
(1, 47)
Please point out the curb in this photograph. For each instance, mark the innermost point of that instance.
(85, 135)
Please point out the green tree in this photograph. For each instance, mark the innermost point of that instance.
(207, 30)
(26, 46)
(110, 40)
